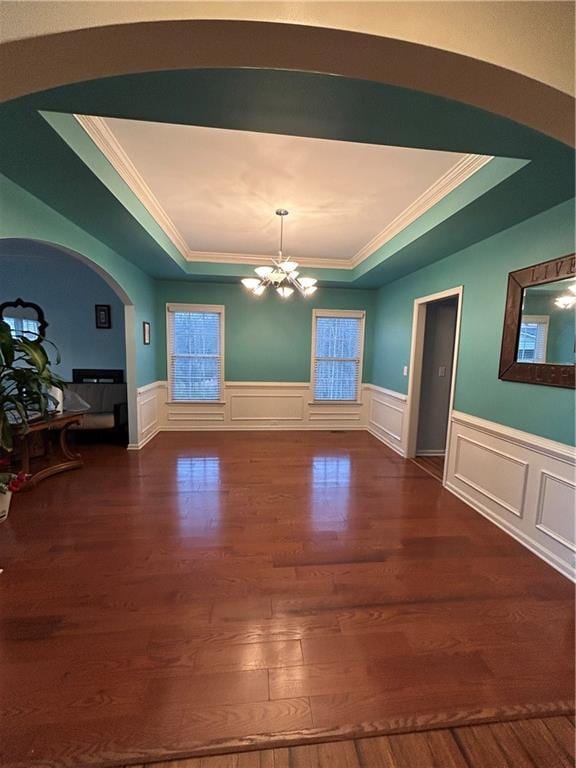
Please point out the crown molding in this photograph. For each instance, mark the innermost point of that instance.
(108, 144)
(103, 137)
(459, 173)
(257, 259)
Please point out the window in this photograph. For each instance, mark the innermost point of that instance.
(195, 352)
(337, 344)
(533, 339)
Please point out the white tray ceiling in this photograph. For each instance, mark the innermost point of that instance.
(215, 191)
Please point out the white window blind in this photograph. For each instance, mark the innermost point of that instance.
(337, 354)
(533, 339)
(195, 352)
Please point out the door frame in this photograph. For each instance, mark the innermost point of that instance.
(415, 369)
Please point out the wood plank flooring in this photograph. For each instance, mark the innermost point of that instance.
(537, 743)
(224, 591)
(434, 465)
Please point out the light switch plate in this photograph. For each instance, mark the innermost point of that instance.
(442, 370)
(405, 371)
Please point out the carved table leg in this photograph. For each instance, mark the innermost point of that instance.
(64, 446)
(25, 454)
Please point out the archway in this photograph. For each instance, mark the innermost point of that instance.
(170, 45)
(23, 246)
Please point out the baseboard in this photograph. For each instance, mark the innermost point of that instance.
(386, 442)
(521, 537)
(138, 446)
(266, 428)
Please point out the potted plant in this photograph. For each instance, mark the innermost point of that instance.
(9, 484)
(25, 383)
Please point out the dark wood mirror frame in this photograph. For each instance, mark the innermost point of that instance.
(532, 373)
(42, 324)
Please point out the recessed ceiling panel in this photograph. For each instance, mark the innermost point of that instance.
(220, 188)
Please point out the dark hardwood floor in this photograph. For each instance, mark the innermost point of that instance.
(434, 465)
(224, 591)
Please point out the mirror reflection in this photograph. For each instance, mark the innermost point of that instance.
(26, 319)
(547, 325)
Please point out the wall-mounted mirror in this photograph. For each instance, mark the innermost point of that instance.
(26, 319)
(539, 339)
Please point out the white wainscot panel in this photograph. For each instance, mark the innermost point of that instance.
(495, 474)
(386, 416)
(149, 402)
(555, 516)
(266, 406)
(181, 414)
(521, 482)
(330, 415)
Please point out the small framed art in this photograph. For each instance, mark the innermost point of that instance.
(103, 316)
(146, 332)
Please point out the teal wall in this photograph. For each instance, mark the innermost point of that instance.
(266, 338)
(269, 340)
(560, 346)
(24, 216)
(68, 305)
(483, 271)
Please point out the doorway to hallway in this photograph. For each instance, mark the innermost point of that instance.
(432, 377)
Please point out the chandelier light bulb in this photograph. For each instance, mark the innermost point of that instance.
(289, 266)
(251, 283)
(572, 287)
(308, 282)
(285, 291)
(310, 290)
(293, 275)
(264, 271)
(259, 290)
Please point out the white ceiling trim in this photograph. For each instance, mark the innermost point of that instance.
(255, 259)
(112, 150)
(459, 173)
(102, 136)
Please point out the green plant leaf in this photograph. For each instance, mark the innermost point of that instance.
(6, 343)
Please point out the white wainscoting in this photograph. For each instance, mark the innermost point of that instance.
(150, 401)
(523, 483)
(272, 405)
(385, 416)
(246, 405)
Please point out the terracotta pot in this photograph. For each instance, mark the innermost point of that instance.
(4, 505)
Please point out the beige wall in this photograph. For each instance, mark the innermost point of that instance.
(530, 37)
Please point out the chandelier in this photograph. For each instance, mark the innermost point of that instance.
(567, 301)
(282, 276)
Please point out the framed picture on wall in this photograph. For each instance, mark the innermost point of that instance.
(103, 316)
(146, 332)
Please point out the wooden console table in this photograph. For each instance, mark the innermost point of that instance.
(67, 460)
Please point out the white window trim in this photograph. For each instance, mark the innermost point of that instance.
(219, 308)
(540, 320)
(357, 313)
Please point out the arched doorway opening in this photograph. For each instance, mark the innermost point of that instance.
(35, 270)
(205, 44)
